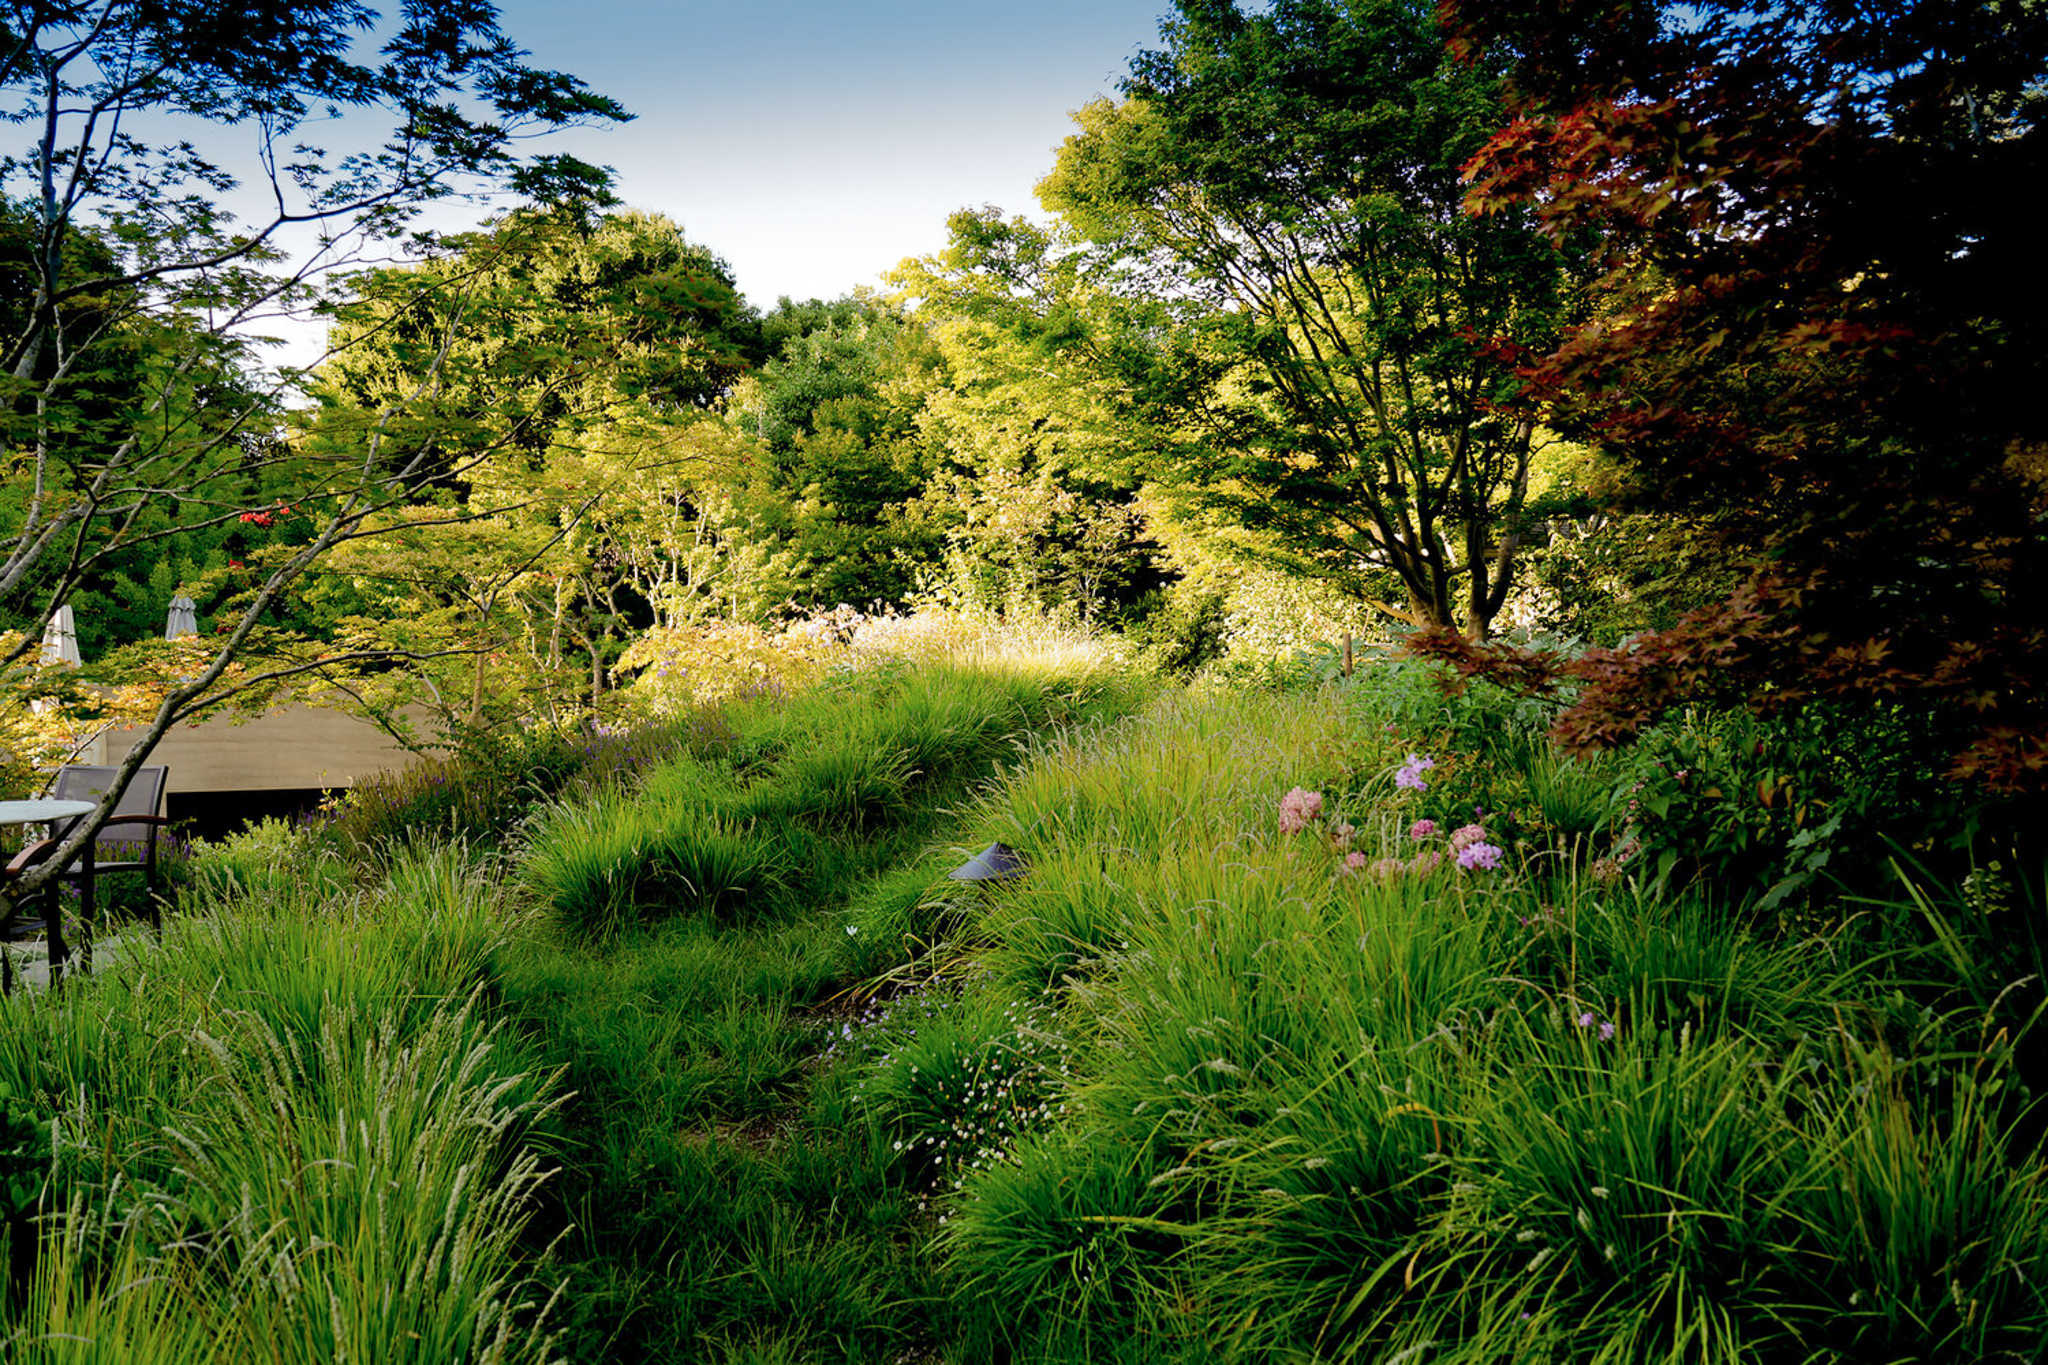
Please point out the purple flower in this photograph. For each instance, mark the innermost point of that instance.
(1479, 856)
(1410, 773)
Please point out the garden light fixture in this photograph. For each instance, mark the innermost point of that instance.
(996, 863)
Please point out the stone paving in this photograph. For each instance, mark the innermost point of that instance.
(32, 962)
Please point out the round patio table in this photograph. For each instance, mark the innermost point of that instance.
(40, 810)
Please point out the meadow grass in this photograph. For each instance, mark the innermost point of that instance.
(1264, 1059)
(1348, 1110)
(286, 1133)
(731, 1193)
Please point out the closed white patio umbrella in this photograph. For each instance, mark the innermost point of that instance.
(60, 638)
(183, 618)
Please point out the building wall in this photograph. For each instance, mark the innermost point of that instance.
(296, 747)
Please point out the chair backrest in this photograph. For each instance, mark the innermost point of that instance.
(144, 796)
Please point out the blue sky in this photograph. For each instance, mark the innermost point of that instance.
(814, 143)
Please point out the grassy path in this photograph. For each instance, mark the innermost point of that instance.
(723, 1196)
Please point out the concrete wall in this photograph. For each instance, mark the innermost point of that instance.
(296, 747)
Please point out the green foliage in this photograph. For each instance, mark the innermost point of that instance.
(1344, 392)
(1043, 541)
(849, 780)
(544, 383)
(1778, 808)
(493, 778)
(1936, 1236)
(25, 1154)
(1040, 504)
(1179, 632)
(727, 1176)
(958, 1078)
(801, 781)
(296, 1069)
(139, 441)
(602, 864)
(1346, 1114)
(261, 860)
(1194, 1081)
(642, 319)
(1492, 760)
(1061, 1250)
(1609, 577)
(1773, 810)
(840, 455)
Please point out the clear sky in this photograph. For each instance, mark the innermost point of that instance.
(815, 143)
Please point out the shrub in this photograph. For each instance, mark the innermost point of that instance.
(263, 859)
(1180, 631)
(1777, 809)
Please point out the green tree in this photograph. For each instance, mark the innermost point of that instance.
(1341, 365)
(555, 376)
(129, 114)
(1039, 496)
(832, 492)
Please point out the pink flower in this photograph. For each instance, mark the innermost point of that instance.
(1410, 774)
(1387, 868)
(1478, 856)
(1353, 862)
(1422, 829)
(1465, 836)
(1297, 808)
(1423, 863)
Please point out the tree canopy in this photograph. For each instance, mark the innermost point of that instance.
(132, 286)
(547, 384)
(1823, 313)
(1341, 368)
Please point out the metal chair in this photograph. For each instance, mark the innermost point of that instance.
(126, 843)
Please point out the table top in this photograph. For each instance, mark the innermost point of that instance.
(42, 808)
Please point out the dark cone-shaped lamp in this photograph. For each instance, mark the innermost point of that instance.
(996, 863)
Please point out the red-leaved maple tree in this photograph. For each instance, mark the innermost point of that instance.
(1825, 311)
